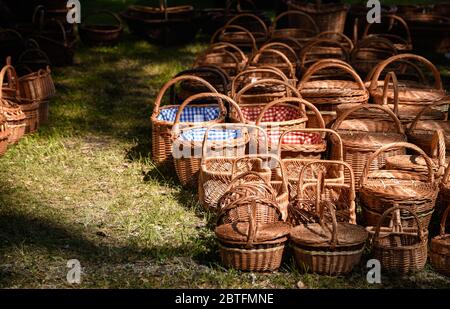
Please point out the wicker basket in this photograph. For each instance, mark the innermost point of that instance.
(187, 142)
(249, 245)
(398, 251)
(440, 248)
(162, 129)
(4, 132)
(362, 137)
(324, 250)
(285, 48)
(345, 41)
(277, 59)
(217, 171)
(393, 22)
(311, 191)
(224, 55)
(301, 27)
(252, 23)
(329, 17)
(101, 34)
(37, 86)
(383, 189)
(329, 93)
(292, 43)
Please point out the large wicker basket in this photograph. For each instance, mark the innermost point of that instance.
(4, 133)
(440, 248)
(383, 189)
(398, 251)
(162, 129)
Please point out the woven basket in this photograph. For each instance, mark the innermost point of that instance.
(4, 133)
(397, 251)
(162, 130)
(324, 250)
(37, 86)
(345, 41)
(252, 23)
(287, 50)
(421, 130)
(329, 17)
(292, 43)
(371, 218)
(369, 52)
(393, 22)
(101, 34)
(328, 94)
(187, 142)
(361, 138)
(249, 245)
(311, 191)
(383, 189)
(301, 27)
(318, 49)
(224, 55)
(440, 248)
(243, 38)
(277, 59)
(217, 171)
(411, 95)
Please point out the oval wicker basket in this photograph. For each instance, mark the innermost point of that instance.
(301, 27)
(101, 34)
(345, 41)
(402, 44)
(440, 248)
(277, 59)
(4, 132)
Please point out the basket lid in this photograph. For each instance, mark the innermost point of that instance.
(331, 88)
(315, 235)
(237, 232)
(369, 140)
(413, 93)
(415, 162)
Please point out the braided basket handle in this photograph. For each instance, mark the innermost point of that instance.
(174, 81)
(392, 18)
(330, 64)
(350, 111)
(391, 77)
(299, 13)
(285, 102)
(277, 74)
(235, 27)
(428, 161)
(344, 38)
(290, 90)
(275, 45)
(376, 237)
(443, 222)
(443, 101)
(282, 56)
(382, 65)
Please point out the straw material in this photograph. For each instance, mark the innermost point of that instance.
(37, 86)
(440, 247)
(4, 134)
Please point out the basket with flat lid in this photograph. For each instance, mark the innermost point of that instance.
(384, 188)
(330, 248)
(311, 191)
(300, 27)
(362, 137)
(399, 251)
(440, 247)
(101, 33)
(250, 245)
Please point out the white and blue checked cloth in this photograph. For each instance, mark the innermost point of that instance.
(190, 114)
(198, 134)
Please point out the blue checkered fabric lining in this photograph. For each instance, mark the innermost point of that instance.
(198, 134)
(190, 113)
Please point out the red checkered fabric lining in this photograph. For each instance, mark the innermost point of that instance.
(273, 114)
(293, 138)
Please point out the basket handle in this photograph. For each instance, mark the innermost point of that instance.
(276, 73)
(274, 45)
(107, 12)
(289, 88)
(350, 111)
(38, 9)
(392, 19)
(61, 27)
(390, 210)
(194, 97)
(438, 148)
(428, 161)
(382, 65)
(317, 41)
(443, 101)
(8, 69)
(259, 20)
(263, 156)
(225, 79)
(248, 173)
(293, 12)
(235, 27)
(258, 55)
(301, 106)
(444, 221)
(172, 82)
(37, 51)
(345, 38)
(330, 64)
(391, 77)
(236, 49)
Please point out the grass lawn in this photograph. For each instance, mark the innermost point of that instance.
(84, 187)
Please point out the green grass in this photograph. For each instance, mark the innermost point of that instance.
(84, 187)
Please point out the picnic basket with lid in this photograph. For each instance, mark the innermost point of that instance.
(101, 33)
(440, 247)
(163, 117)
(362, 137)
(218, 169)
(328, 248)
(382, 189)
(249, 245)
(300, 27)
(399, 251)
(328, 16)
(310, 192)
(187, 141)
